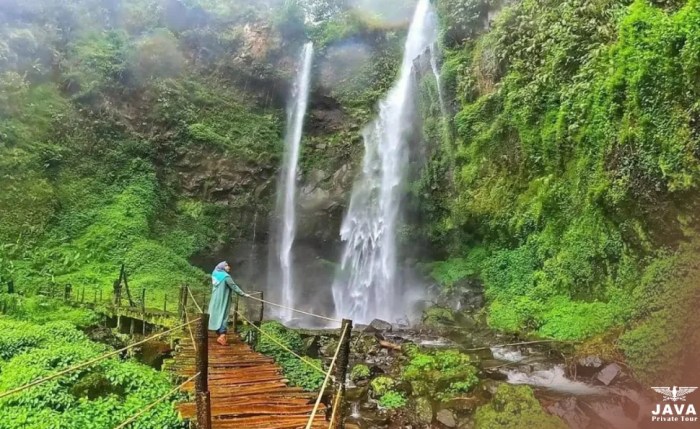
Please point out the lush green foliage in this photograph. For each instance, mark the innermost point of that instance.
(392, 400)
(515, 407)
(575, 161)
(359, 372)
(381, 385)
(299, 373)
(40, 310)
(99, 396)
(441, 374)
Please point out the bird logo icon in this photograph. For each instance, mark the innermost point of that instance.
(675, 393)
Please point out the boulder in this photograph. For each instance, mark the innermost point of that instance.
(608, 374)
(570, 412)
(378, 325)
(447, 418)
(421, 411)
(591, 361)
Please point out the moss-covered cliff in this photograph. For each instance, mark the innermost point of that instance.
(571, 186)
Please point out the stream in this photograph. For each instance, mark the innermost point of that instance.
(603, 396)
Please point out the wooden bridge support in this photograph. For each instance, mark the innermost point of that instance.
(201, 383)
(235, 312)
(341, 372)
(11, 286)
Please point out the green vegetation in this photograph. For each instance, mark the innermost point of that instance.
(359, 372)
(381, 385)
(392, 400)
(573, 168)
(299, 373)
(441, 374)
(515, 407)
(99, 396)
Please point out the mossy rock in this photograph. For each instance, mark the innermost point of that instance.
(438, 318)
(515, 407)
(359, 372)
(421, 411)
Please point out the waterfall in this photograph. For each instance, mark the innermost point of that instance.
(367, 285)
(286, 200)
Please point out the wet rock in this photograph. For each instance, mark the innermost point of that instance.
(447, 418)
(608, 374)
(404, 387)
(466, 423)
(311, 346)
(438, 319)
(490, 386)
(421, 411)
(570, 412)
(365, 345)
(357, 393)
(591, 361)
(463, 404)
(378, 325)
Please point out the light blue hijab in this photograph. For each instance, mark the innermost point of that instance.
(219, 274)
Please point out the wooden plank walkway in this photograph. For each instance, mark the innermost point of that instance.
(247, 389)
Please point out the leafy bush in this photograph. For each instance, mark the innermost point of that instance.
(298, 373)
(381, 385)
(392, 400)
(99, 396)
(359, 372)
(515, 407)
(441, 374)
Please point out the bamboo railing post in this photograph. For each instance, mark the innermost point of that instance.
(165, 303)
(262, 306)
(143, 311)
(11, 286)
(184, 304)
(201, 383)
(258, 323)
(235, 313)
(180, 310)
(341, 371)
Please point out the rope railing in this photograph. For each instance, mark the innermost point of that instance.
(336, 403)
(285, 348)
(327, 378)
(158, 401)
(295, 310)
(90, 362)
(193, 299)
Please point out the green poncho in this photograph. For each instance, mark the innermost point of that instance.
(220, 303)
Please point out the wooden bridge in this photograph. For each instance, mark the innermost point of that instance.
(247, 390)
(234, 387)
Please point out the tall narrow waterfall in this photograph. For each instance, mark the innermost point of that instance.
(367, 286)
(287, 190)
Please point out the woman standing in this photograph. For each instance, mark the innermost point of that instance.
(220, 302)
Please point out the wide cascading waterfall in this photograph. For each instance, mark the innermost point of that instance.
(286, 200)
(367, 285)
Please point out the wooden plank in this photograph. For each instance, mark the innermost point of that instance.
(247, 390)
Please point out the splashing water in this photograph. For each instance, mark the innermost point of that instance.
(367, 286)
(286, 200)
